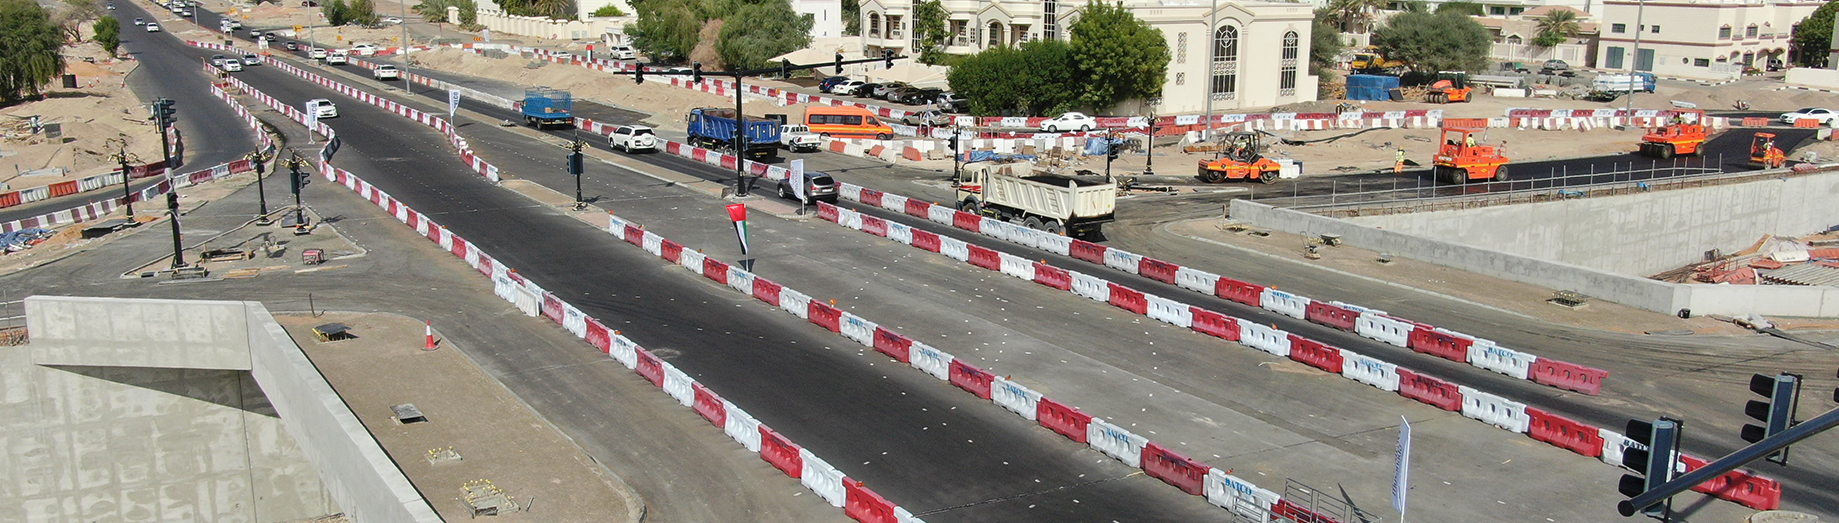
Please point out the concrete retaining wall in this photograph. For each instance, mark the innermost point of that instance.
(138, 333)
(1637, 234)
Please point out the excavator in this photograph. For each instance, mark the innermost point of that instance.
(1451, 86)
(1764, 153)
(1459, 159)
(1684, 135)
(1369, 61)
(1240, 159)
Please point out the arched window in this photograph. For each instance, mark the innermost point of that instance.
(874, 24)
(1514, 39)
(1225, 64)
(1286, 80)
(996, 34)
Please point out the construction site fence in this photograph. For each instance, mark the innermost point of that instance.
(1340, 202)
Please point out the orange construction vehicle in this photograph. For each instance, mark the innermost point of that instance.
(1459, 159)
(1240, 159)
(1684, 135)
(1451, 86)
(1764, 153)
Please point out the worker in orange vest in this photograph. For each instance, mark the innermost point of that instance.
(1398, 164)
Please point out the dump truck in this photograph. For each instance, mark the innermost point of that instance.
(1241, 158)
(544, 107)
(1460, 158)
(1014, 192)
(713, 127)
(1684, 135)
(1764, 153)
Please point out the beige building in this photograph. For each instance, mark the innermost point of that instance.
(1256, 55)
(1704, 40)
(1513, 36)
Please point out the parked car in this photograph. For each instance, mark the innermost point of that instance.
(1556, 65)
(387, 72)
(1824, 116)
(818, 187)
(846, 87)
(952, 103)
(930, 118)
(883, 91)
(153, 28)
(921, 96)
(364, 49)
(632, 138)
(825, 85)
(866, 90)
(250, 59)
(624, 52)
(326, 109)
(392, 20)
(317, 53)
(1069, 122)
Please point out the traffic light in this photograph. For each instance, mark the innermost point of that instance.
(638, 75)
(953, 142)
(1112, 150)
(1777, 414)
(1656, 464)
(888, 55)
(574, 161)
(839, 63)
(696, 72)
(785, 69)
(164, 112)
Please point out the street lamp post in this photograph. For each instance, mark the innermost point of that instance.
(1633, 65)
(1149, 143)
(127, 194)
(259, 162)
(296, 179)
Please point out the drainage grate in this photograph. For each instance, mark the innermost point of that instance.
(407, 413)
(1571, 299)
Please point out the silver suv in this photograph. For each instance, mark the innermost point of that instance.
(818, 187)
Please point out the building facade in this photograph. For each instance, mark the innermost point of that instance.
(1514, 34)
(1238, 55)
(1704, 40)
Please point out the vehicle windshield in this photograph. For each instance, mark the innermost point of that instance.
(1807, 109)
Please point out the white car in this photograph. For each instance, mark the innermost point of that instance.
(631, 138)
(624, 53)
(153, 27)
(1069, 122)
(235, 24)
(231, 65)
(387, 72)
(338, 57)
(364, 49)
(140, 21)
(217, 60)
(250, 59)
(563, 56)
(1825, 116)
(799, 138)
(326, 109)
(847, 87)
(318, 53)
(391, 20)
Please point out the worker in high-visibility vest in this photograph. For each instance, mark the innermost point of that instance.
(1469, 140)
(1398, 163)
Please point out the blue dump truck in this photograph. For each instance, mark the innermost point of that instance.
(714, 128)
(548, 107)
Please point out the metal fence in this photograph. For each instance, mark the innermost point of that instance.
(1366, 198)
(12, 323)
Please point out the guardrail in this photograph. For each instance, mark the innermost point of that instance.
(1441, 197)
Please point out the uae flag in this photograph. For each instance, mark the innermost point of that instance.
(737, 213)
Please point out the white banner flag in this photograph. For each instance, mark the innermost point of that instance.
(797, 179)
(1402, 472)
(453, 103)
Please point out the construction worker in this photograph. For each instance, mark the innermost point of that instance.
(1398, 163)
(1468, 141)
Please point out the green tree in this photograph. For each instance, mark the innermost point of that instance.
(1462, 7)
(773, 28)
(608, 11)
(336, 12)
(108, 34)
(432, 10)
(1813, 37)
(1119, 56)
(1556, 27)
(852, 17)
(1434, 42)
(931, 25)
(362, 12)
(1324, 44)
(1040, 77)
(29, 45)
(1353, 16)
(666, 30)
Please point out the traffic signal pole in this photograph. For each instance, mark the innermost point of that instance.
(1729, 463)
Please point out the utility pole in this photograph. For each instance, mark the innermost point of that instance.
(403, 20)
(957, 155)
(1629, 111)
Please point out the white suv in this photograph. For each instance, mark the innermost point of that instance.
(387, 72)
(338, 57)
(318, 53)
(632, 138)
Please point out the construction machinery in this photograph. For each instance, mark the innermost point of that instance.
(1764, 153)
(1460, 158)
(1370, 61)
(1685, 135)
(1240, 158)
(1451, 86)
(1014, 192)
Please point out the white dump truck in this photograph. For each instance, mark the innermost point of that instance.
(1014, 192)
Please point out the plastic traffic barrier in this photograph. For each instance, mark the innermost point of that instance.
(864, 505)
(821, 478)
(1614, 444)
(1501, 359)
(1284, 303)
(1563, 433)
(1333, 316)
(677, 385)
(670, 250)
(634, 235)
(1568, 376)
(1494, 410)
(970, 378)
(892, 344)
(860, 330)
(1157, 270)
(870, 197)
(925, 240)
(653, 244)
(552, 307)
(1018, 399)
(1123, 260)
(1016, 266)
(1442, 344)
(1238, 496)
(1116, 442)
(781, 453)
(930, 360)
(1432, 391)
(795, 302)
(900, 233)
(1088, 251)
(1265, 338)
(916, 208)
(598, 335)
(826, 316)
(1741, 486)
(1235, 290)
(1091, 287)
(691, 259)
(875, 226)
(766, 291)
(1315, 354)
(1370, 371)
(967, 221)
(741, 426)
(954, 249)
(715, 270)
(624, 351)
(826, 212)
(1384, 328)
(1052, 276)
(1056, 244)
(1175, 469)
(650, 367)
(709, 405)
(1062, 418)
(941, 214)
(1214, 324)
(985, 258)
(1128, 299)
(740, 280)
(1196, 280)
(1169, 311)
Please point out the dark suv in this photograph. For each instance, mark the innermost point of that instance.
(824, 85)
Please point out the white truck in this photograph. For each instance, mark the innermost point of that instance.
(1057, 204)
(799, 138)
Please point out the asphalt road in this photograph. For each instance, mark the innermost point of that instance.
(207, 140)
(949, 449)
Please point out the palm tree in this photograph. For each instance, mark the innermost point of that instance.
(1556, 27)
(1353, 16)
